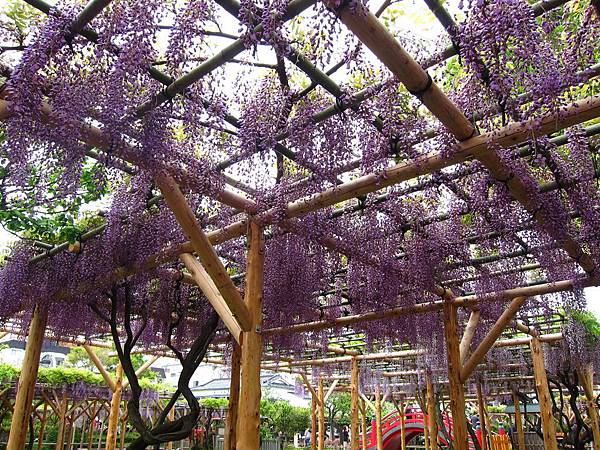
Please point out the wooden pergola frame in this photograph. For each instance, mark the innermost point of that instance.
(243, 315)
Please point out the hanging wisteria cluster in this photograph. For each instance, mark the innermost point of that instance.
(158, 90)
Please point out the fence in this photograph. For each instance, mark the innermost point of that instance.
(266, 444)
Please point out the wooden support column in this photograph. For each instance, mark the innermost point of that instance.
(431, 413)
(63, 406)
(518, 420)
(467, 338)
(115, 410)
(248, 426)
(403, 425)
(234, 396)
(363, 425)
(491, 337)
(426, 431)
(378, 418)
(482, 417)
(586, 377)
(171, 417)
(354, 405)
(321, 436)
(543, 391)
(27, 378)
(456, 388)
(313, 422)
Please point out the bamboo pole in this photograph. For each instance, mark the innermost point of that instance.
(234, 396)
(518, 420)
(115, 410)
(201, 244)
(467, 338)
(354, 398)
(378, 419)
(457, 395)
(26, 387)
(42, 427)
(247, 430)
(543, 391)
(491, 337)
(321, 435)
(482, 417)
(586, 375)
(313, 421)
(431, 413)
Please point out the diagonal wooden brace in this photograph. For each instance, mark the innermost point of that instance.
(202, 246)
(206, 284)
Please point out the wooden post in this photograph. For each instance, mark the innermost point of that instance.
(234, 396)
(378, 418)
(482, 417)
(543, 391)
(62, 421)
(27, 378)
(354, 405)
(518, 420)
(313, 422)
(403, 425)
(115, 410)
(248, 426)
(321, 436)
(42, 427)
(363, 411)
(431, 413)
(426, 431)
(586, 376)
(171, 417)
(456, 388)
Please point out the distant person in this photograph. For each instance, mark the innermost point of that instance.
(307, 436)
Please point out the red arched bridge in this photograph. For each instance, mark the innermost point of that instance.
(414, 426)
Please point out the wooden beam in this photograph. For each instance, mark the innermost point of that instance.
(107, 377)
(403, 426)
(543, 391)
(234, 396)
(423, 308)
(467, 338)
(488, 341)
(456, 388)
(202, 246)
(482, 417)
(248, 426)
(26, 387)
(371, 32)
(115, 410)
(208, 287)
(586, 377)
(354, 398)
(518, 420)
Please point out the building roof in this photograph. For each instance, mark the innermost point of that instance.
(265, 381)
(47, 346)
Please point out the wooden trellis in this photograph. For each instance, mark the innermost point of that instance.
(243, 314)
